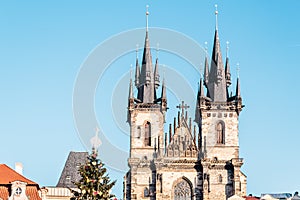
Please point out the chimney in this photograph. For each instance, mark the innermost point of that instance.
(19, 168)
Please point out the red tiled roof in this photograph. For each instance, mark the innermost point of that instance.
(8, 175)
(32, 193)
(4, 192)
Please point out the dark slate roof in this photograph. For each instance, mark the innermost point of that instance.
(70, 173)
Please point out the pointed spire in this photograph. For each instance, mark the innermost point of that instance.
(194, 139)
(217, 81)
(130, 96)
(227, 67)
(163, 90)
(166, 142)
(137, 68)
(206, 72)
(170, 132)
(156, 74)
(238, 89)
(201, 89)
(175, 126)
(146, 90)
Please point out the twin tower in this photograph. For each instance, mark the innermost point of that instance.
(189, 162)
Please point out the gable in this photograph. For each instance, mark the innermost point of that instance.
(8, 175)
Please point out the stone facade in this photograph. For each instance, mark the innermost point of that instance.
(193, 161)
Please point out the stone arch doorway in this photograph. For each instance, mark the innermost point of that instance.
(182, 189)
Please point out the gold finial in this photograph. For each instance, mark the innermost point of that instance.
(227, 49)
(147, 13)
(216, 13)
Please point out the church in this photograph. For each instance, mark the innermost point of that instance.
(190, 162)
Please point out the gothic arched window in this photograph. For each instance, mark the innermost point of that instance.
(182, 191)
(148, 134)
(146, 192)
(220, 133)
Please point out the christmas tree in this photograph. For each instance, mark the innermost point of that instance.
(95, 182)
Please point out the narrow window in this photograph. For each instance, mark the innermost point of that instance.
(146, 192)
(148, 134)
(220, 133)
(220, 178)
(138, 132)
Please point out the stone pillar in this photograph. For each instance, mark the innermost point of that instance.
(237, 163)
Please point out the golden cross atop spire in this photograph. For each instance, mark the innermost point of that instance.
(147, 13)
(216, 13)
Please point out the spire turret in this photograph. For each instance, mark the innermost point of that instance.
(163, 90)
(130, 95)
(227, 67)
(201, 89)
(156, 74)
(217, 81)
(137, 69)
(238, 89)
(146, 88)
(206, 72)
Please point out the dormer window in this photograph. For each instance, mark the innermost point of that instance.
(18, 191)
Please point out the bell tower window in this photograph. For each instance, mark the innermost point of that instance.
(148, 134)
(220, 133)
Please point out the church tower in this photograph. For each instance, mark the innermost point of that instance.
(198, 159)
(146, 116)
(218, 118)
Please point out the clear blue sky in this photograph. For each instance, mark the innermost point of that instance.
(43, 45)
